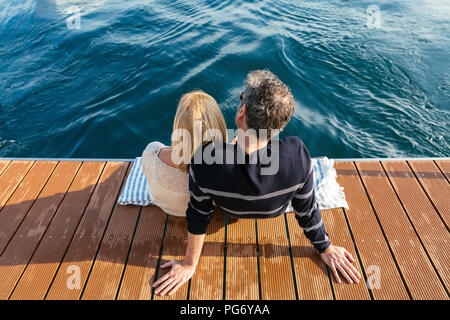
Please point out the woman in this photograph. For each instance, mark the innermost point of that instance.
(167, 168)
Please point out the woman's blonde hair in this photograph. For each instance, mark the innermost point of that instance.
(198, 120)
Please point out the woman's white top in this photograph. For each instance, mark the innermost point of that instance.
(168, 186)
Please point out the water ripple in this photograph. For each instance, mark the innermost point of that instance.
(107, 89)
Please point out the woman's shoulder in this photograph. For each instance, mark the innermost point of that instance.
(153, 147)
(154, 161)
(149, 156)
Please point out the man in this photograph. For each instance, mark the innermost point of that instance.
(244, 186)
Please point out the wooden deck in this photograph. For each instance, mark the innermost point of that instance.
(62, 236)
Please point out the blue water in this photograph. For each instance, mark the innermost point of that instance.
(107, 89)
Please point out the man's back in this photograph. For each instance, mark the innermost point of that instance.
(238, 185)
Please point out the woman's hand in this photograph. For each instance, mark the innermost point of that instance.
(175, 278)
(337, 258)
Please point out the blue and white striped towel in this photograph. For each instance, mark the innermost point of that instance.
(136, 189)
(328, 192)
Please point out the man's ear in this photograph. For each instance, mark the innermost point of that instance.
(242, 113)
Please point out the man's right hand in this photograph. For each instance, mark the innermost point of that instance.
(181, 271)
(175, 278)
(338, 258)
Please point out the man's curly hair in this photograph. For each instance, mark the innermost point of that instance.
(270, 104)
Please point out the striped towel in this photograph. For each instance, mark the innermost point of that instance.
(136, 189)
(328, 192)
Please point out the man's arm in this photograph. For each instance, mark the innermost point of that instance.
(181, 271)
(198, 215)
(309, 217)
(308, 214)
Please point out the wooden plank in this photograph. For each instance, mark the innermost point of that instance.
(22, 199)
(104, 280)
(19, 251)
(336, 226)
(144, 255)
(426, 221)
(85, 243)
(402, 239)
(277, 280)
(174, 248)
(435, 185)
(3, 165)
(11, 178)
(369, 239)
(42, 267)
(207, 282)
(310, 271)
(241, 260)
(444, 165)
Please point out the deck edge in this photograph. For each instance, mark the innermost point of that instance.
(68, 159)
(132, 159)
(390, 159)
